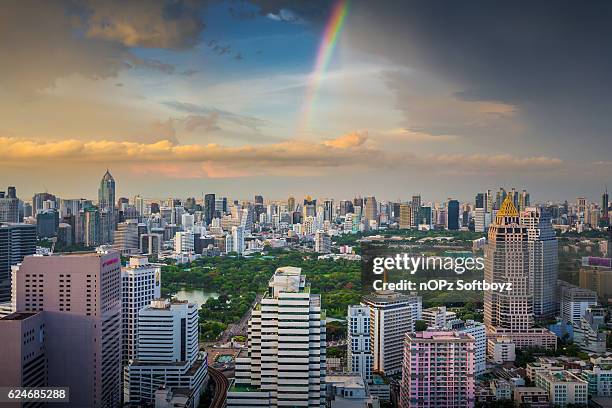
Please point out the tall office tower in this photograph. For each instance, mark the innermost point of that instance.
(480, 200)
(523, 201)
(322, 242)
(291, 204)
(605, 214)
(328, 210)
(508, 257)
(544, 263)
(140, 284)
(405, 216)
(346, 207)
(47, 223)
(183, 242)
(478, 331)
(391, 316)
(38, 199)
(310, 207)
(90, 221)
(9, 206)
(16, 242)
(168, 353)
(452, 215)
(438, 370)
(371, 208)
(209, 208)
(424, 216)
(284, 365)
(500, 196)
(80, 296)
(359, 346)
(151, 244)
(106, 192)
(358, 202)
(126, 237)
(416, 208)
(574, 301)
(238, 239)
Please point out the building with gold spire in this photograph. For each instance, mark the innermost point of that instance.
(508, 259)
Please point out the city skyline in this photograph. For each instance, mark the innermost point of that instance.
(295, 98)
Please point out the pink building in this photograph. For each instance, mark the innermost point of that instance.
(23, 361)
(80, 297)
(438, 370)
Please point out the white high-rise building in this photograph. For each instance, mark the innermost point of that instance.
(359, 350)
(183, 242)
(140, 284)
(392, 315)
(168, 352)
(284, 365)
(238, 237)
(478, 331)
(187, 221)
(574, 302)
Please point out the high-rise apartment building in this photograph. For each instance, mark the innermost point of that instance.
(392, 315)
(168, 353)
(38, 201)
(183, 242)
(438, 370)
(80, 296)
(238, 239)
(140, 284)
(358, 343)
(284, 365)
(126, 237)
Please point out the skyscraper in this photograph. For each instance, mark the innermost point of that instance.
(140, 284)
(16, 242)
(358, 343)
(80, 296)
(416, 209)
(9, 206)
(371, 209)
(543, 260)
(438, 370)
(508, 255)
(209, 208)
(391, 316)
(284, 365)
(38, 199)
(405, 216)
(604, 209)
(168, 353)
(453, 215)
(106, 206)
(291, 204)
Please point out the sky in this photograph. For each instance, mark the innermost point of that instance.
(180, 98)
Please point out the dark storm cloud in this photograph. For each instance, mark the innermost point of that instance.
(550, 59)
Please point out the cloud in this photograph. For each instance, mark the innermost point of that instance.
(350, 140)
(291, 157)
(145, 23)
(207, 123)
(409, 135)
(235, 118)
(43, 41)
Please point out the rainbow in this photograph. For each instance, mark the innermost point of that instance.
(328, 43)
